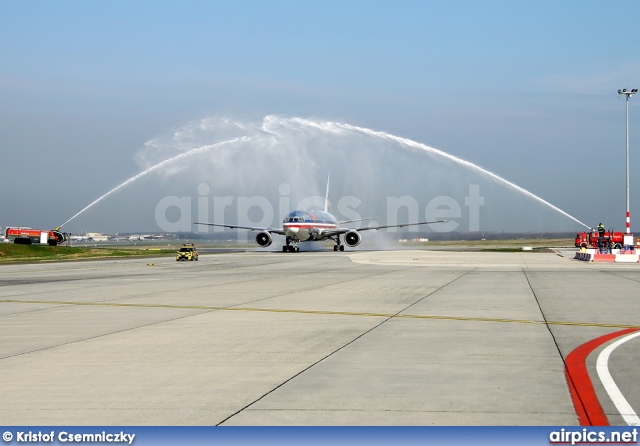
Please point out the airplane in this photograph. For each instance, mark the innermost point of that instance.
(303, 226)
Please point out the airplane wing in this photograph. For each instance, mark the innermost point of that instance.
(366, 228)
(249, 228)
(351, 221)
(339, 231)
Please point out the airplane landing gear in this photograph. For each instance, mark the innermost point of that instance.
(291, 246)
(338, 246)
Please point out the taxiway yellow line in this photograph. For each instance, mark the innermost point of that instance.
(322, 312)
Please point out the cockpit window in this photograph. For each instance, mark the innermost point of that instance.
(295, 216)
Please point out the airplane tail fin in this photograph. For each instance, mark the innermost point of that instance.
(326, 197)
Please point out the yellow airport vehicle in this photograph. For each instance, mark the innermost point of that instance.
(187, 251)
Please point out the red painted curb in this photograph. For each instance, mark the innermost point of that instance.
(583, 395)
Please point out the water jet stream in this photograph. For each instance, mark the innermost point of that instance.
(408, 142)
(159, 166)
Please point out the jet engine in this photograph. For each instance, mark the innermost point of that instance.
(352, 238)
(264, 239)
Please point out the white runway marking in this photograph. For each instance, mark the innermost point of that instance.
(602, 366)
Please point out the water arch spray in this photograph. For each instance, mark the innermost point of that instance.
(286, 135)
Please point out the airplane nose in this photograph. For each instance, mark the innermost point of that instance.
(291, 232)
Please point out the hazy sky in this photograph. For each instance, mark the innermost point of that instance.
(524, 89)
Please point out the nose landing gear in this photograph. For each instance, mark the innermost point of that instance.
(291, 246)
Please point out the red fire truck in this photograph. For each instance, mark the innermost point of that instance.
(28, 236)
(590, 239)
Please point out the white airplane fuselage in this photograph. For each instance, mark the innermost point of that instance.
(305, 226)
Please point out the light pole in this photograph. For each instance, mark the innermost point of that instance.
(628, 94)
